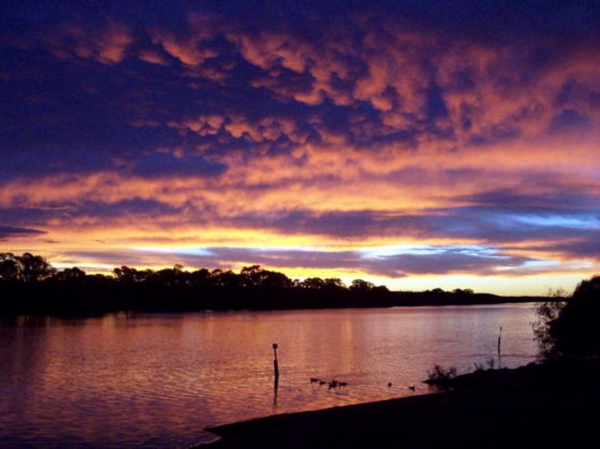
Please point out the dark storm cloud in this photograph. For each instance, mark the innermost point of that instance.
(162, 164)
(7, 232)
(349, 224)
(549, 194)
(22, 216)
(570, 120)
(82, 110)
(135, 208)
(503, 228)
(74, 118)
(91, 86)
(305, 119)
(494, 20)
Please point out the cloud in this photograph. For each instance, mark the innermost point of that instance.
(569, 121)
(8, 232)
(433, 261)
(584, 246)
(443, 261)
(347, 124)
(385, 82)
(165, 164)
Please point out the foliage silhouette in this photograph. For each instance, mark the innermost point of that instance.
(547, 312)
(27, 267)
(441, 378)
(575, 328)
(30, 285)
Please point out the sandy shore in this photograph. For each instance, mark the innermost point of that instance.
(532, 407)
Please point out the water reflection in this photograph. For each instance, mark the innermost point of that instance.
(158, 380)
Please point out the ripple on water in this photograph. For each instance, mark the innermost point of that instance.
(157, 381)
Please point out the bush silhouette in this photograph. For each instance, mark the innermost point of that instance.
(576, 329)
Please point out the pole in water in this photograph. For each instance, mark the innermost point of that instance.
(275, 362)
(276, 372)
(499, 346)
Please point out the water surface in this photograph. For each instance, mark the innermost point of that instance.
(159, 380)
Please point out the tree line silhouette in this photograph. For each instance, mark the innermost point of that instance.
(30, 285)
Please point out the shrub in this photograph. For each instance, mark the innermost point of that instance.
(547, 312)
(575, 331)
(440, 376)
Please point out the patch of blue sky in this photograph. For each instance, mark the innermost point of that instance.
(428, 250)
(583, 221)
(580, 264)
(395, 250)
(552, 265)
(188, 251)
(540, 264)
(277, 249)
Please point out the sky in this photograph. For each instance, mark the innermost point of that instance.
(416, 144)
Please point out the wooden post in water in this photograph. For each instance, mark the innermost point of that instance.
(499, 347)
(275, 362)
(276, 373)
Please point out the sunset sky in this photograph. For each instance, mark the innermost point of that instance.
(417, 144)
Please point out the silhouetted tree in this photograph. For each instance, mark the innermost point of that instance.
(26, 268)
(199, 278)
(462, 292)
(31, 285)
(436, 291)
(576, 329)
(251, 276)
(381, 289)
(35, 268)
(214, 276)
(274, 279)
(312, 283)
(171, 276)
(222, 278)
(547, 312)
(334, 283)
(127, 275)
(9, 267)
(359, 285)
(70, 275)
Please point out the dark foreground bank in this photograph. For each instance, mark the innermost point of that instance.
(539, 406)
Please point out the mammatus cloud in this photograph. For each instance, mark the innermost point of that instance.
(245, 128)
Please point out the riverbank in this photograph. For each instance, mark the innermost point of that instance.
(538, 406)
(93, 296)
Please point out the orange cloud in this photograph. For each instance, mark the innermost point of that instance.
(358, 129)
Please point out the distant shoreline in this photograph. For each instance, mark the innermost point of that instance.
(99, 297)
(29, 285)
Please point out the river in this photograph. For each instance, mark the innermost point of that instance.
(158, 380)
